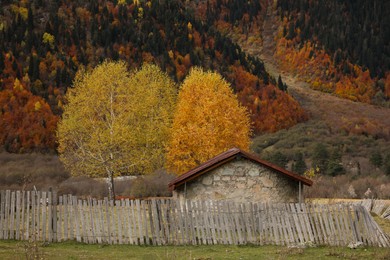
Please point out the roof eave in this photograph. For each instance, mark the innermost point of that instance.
(229, 156)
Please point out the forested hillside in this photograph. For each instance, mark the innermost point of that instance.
(44, 43)
(342, 47)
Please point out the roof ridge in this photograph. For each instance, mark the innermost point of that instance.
(228, 156)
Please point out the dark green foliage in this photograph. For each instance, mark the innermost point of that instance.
(335, 165)
(299, 165)
(277, 158)
(376, 159)
(354, 150)
(357, 31)
(291, 31)
(320, 157)
(1, 61)
(282, 86)
(386, 164)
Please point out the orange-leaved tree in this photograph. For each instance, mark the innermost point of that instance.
(208, 120)
(26, 121)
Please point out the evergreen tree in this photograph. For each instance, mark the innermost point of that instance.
(30, 20)
(335, 165)
(282, 86)
(386, 164)
(1, 61)
(299, 165)
(376, 159)
(320, 157)
(278, 158)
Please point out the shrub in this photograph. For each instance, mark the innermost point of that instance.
(154, 185)
(24, 171)
(347, 186)
(84, 187)
(376, 159)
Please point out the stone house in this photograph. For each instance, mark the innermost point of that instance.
(239, 176)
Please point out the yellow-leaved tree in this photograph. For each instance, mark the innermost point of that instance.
(116, 122)
(208, 120)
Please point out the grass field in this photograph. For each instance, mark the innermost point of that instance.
(71, 250)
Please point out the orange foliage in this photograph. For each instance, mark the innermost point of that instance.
(8, 70)
(197, 39)
(316, 67)
(187, 61)
(271, 109)
(366, 127)
(26, 121)
(244, 79)
(276, 110)
(208, 120)
(147, 57)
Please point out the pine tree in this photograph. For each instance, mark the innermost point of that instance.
(320, 157)
(299, 165)
(335, 165)
(376, 159)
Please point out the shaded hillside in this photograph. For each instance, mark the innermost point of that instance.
(346, 141)
(354, 30)
(44, 43)
(343, 45)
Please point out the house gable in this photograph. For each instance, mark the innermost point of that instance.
(240, 179)
(228, 156)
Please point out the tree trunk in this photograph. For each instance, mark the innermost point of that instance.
(111, 190)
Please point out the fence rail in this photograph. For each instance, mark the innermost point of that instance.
(45, 217)
(379, 207)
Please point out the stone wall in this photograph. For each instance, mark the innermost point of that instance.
(241, 180)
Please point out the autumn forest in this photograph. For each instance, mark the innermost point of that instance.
(44, 45)
(337, 47)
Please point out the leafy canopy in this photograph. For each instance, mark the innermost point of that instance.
(116, 122)
(208, 120)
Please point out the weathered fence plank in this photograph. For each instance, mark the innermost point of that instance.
(66, 217)
(297, 223)
(333, 229)
(12, 216)
(42, 202)
(18, 208)
(44, 216)
(27, 218)
(50, 216)
(2, 214)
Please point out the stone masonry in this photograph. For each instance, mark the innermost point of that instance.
(240, 180)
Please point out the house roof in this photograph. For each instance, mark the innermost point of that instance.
(227, 157)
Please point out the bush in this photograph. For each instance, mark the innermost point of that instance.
(376, 159)
(348, 186)
(29, 171)
(24, 171)
(83, 186)
(154, 185)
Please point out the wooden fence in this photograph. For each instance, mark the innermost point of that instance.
(379, 207)
(44, 217)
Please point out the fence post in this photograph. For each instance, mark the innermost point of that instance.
(54, 215)
(2, 213)
(17, 208)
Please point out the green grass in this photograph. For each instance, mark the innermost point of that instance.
(72, 250)
(383, 223)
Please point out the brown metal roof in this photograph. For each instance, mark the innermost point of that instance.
(229, 156)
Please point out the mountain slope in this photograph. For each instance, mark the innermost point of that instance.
(43, 45)
(353, 134)
(338, 47)
(337, 112)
